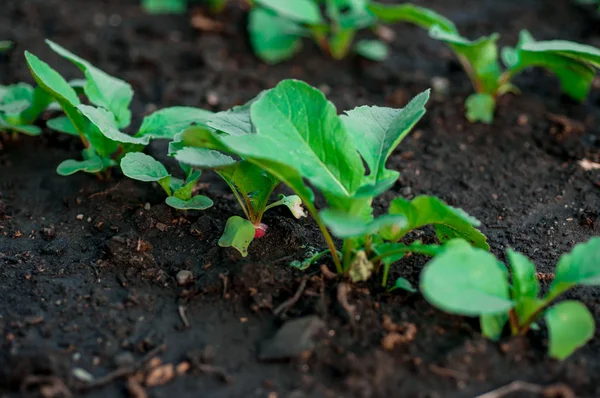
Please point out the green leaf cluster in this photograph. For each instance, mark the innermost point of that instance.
(293, 134)
(20, 106)
(466, 280)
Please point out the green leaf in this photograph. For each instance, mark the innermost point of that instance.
(377, 131)
(167, 122)
(56, 86)
(570, 325)
(480, 108)
(70, 166)
(105, 122)
(273, 38)
(238, 234)
(492, 325)
(142, 167)
(481, 57)
(62, 124)
(374, 50)
(525, 284)
(24, 129)
(420, 16)
(449, 222)
(198, 202)
(5, 45)
(403, 284)
(345, 225)
(292, 202)
(572, 63)
(185, 191)
(101, 88)
(164, 6)
(467, 281)
(204, 158)
(301, 11)
(235, 121)
(580, 266)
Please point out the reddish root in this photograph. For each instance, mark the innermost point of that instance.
(260, 230)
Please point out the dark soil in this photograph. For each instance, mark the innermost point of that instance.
(88, 268)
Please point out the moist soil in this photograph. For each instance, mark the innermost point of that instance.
(88, 268)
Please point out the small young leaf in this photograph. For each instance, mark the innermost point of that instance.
(525, 284)
(164, 6)
(361, 268)
(105, 122)
(198, 202)
(403, 284)
(142, 167)
(273, 38)
(62, 124)
(101, 88)
(580, 266)
(448, 221)
(167, 122)
(377, 131)
(70, 166)
(238, 234)
(420, 16)
(292, 202)
(467, 281)
(24, 129)
(570, 326)
(374, 50)
(301, 11)
(186, 190)
(480, 108)
(492, 325)
(345, 225)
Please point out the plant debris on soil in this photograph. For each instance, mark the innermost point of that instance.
(93, 301)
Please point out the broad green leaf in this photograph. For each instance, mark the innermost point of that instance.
(467, 281)
(142, 167)
(198, 202)
(580, 266)
(377, 131)
(70, 166)
(525, 284)
(62, 124)
(24, 129)
(301, 11)
(56, 86)
(101, 88)
(344, 225)
(186, 190)
(480, 56)
(480, 108)
(570, 325)
(420, 16)
(403, 284)
(106, 124)
(164, 6)
(167, 122)
(274, 39)
(204, 158)
(235, 121)
(492, 325)
(572, 63)
(449, 222)
(297, 126)
(374, 50)
(238, 234)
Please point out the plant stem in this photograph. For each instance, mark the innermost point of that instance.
(514, 321)
(384, 279)
(347, 249)
(325, 232)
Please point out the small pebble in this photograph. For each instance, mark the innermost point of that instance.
(184, 277)
(79, 217)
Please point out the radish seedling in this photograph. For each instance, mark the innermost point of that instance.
(177, 6)
(298, 135)
(469, 281)
(99, 126)
(251, 185)
(20, 106)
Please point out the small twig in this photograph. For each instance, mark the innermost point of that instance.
(555, 390)
(183, 317)
(50, 386)
(225, 280)
(286, 305)
(438, 370)
(213, 370)
(124, 371)
(105, 192)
